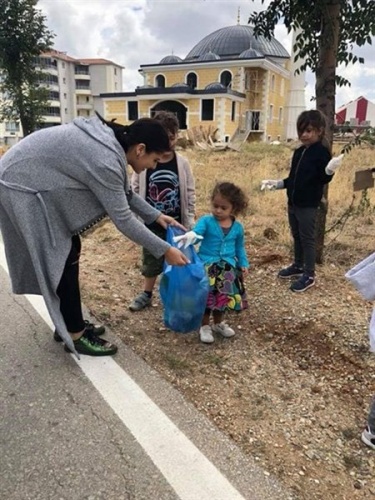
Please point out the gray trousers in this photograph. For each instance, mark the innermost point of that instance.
(371, 417)
(302, 225)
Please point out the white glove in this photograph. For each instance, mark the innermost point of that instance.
(334, 164)
(189, 238)
(271, 184)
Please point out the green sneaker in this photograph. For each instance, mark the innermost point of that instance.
(96, 330)
(91, 345)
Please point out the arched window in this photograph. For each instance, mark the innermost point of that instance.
(273, 83)
(160, 81)
(191, 80)
(226, 79)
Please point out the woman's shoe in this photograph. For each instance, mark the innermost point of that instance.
(96, 330)
(91, 345)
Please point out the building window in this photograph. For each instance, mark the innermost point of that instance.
(280, 115)
(87, 98)
(233, 116)
(12, 126)
(270, 113)
(53, 96)
(82, 85)
(226, 79)
(65, 96)
(48, 79)
(66, 111)
(191, 80)
(207, 109)
(133, 110)
(282, 86)
(63, 65)
(64, 81)
(273, 83)
(160, 81)
(115, 70)
(51, 111)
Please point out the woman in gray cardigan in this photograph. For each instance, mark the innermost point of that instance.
(58, 182)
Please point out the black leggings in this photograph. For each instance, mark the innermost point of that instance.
(68, 290)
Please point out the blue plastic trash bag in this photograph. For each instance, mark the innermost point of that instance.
(183, 289)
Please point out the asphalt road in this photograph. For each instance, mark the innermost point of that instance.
(104, 428)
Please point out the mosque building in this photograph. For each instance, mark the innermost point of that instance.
(230, 80)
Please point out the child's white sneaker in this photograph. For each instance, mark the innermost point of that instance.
(368, 438)
(223, 329)
(205, 334)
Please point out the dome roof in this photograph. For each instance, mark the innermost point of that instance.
(170, 59)
(214, 86)
(250, 54)
(231, 41)
(208, 56)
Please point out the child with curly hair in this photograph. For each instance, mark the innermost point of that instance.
(222, 250)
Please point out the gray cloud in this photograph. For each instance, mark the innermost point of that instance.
(135, 32)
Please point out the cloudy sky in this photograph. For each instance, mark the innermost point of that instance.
(134, 32)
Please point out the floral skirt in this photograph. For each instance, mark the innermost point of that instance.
(227, 291)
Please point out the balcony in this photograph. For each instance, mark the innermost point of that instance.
(52, 119)
(83, 90)
(81, 76)
(86, 105)
(49, 70)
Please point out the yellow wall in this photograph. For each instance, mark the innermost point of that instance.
(205, 76)
(259, 91)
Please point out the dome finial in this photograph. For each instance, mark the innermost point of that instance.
(239, 16)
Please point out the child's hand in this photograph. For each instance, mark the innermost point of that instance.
(271, 184)
(189, 238)
(245, 271)
(334, 164)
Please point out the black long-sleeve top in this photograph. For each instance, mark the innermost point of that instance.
(307, 176)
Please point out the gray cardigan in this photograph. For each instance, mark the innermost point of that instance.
(55, 183)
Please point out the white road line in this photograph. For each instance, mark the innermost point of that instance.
(187, 470)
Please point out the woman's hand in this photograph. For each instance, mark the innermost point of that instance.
(166, 220)
(175, 257)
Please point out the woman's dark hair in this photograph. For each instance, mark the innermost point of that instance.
(233, 194)
(148, 131)
(311, 118)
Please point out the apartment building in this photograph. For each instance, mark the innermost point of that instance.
(74, 87)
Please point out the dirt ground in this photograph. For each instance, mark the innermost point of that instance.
(292, 388)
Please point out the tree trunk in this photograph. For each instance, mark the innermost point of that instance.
(325, 89)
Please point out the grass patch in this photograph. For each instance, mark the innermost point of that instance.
(177, 364)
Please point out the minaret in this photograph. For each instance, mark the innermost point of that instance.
(295, 103)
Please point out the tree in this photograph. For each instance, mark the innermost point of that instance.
(327, 29)
(23, 37)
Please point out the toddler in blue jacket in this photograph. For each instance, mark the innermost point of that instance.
(222, 250)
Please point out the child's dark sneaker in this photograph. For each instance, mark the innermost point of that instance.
(290, 272)
(96, 329)
(91, 345)
(140, 302)
(303, 283)
(368, 438)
